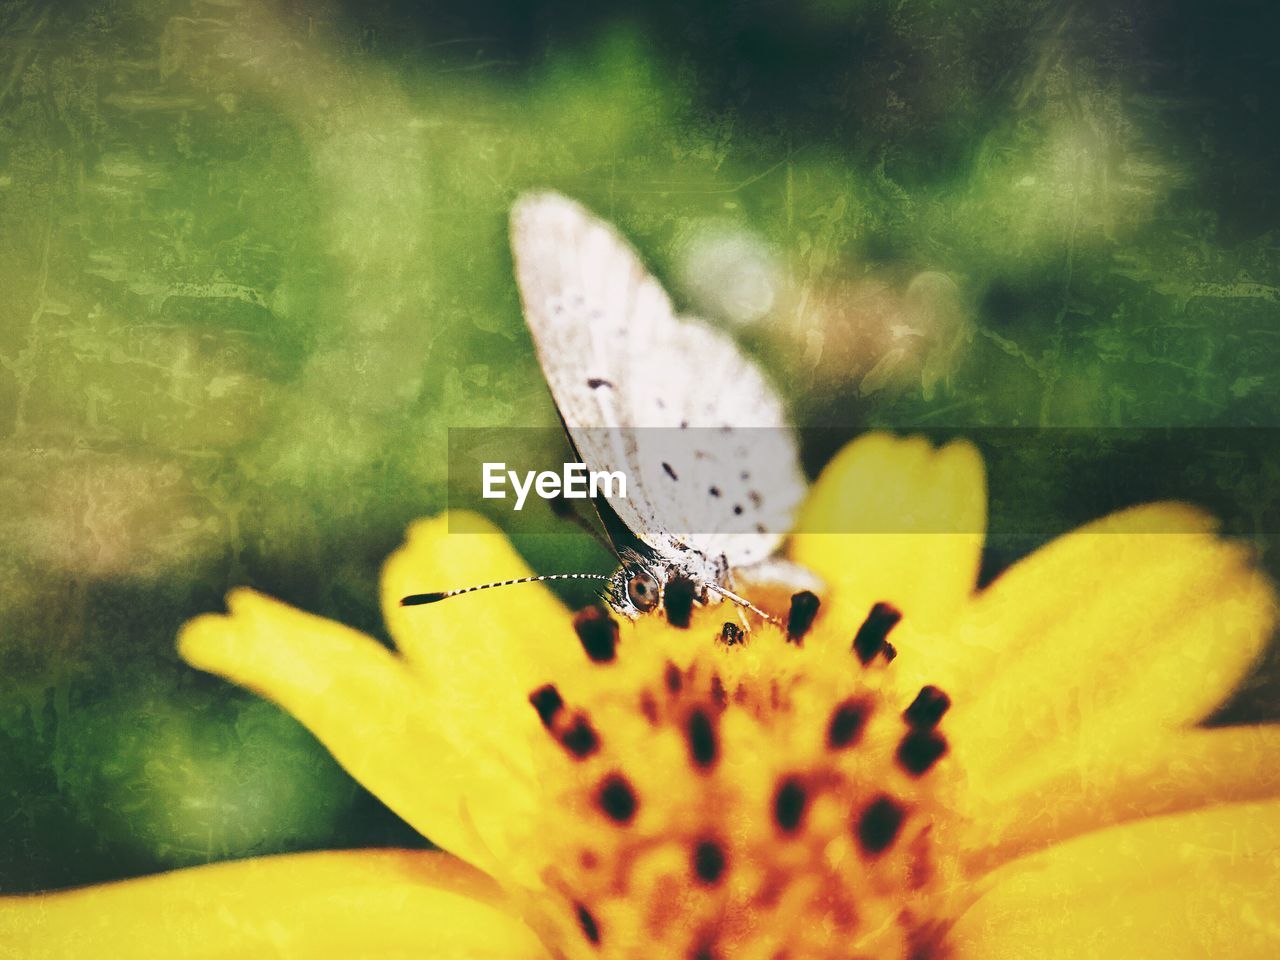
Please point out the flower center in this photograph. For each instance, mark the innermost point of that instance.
(718, 794)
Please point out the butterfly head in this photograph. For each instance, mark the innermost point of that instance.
(644, 584)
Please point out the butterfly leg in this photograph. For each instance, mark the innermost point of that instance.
(738, 609)
(772, 583)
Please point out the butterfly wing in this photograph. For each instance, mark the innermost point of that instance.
(719, 458)
(702, 437)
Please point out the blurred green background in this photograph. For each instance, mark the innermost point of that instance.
(253, 265)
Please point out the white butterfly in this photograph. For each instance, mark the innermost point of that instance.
(669, 400)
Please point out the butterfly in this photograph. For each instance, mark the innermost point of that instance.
(670, 401)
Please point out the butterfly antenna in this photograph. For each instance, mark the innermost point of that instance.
(418, 599)
(744, 602)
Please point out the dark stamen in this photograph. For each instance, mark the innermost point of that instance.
(804, 607)
(673, 678)
(708, 862)
(719, 695)
(617, 799)
(701, 735)
(547, 701)
(678, 601)
(590, 929)
(878, 825)
(789, 802)
(927, 708)
(920, 750)
(847, 722)
(649, 707)
(579, 738)
(598, 633)
(731, 634)
(873, 634)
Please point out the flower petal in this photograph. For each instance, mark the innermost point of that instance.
(369, 710)
(1180, 770)
(480, 656)
(384, 903)
(1189, 886)
(482, 652)
(897, 521)
(1103, 639)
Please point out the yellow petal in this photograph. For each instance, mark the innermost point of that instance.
(483, 651)
(480, 655)
(1179, 770)
(895, 520)
(370, 711)
(1103, 639)
(389, 904)
(1184, 887)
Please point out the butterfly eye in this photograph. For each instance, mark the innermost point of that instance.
(642, 591)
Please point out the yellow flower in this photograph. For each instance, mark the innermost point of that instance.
(925, 772)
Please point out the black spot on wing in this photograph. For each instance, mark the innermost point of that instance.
(595, 383)
(670, 472)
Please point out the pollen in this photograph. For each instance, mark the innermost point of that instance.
(738, 794)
